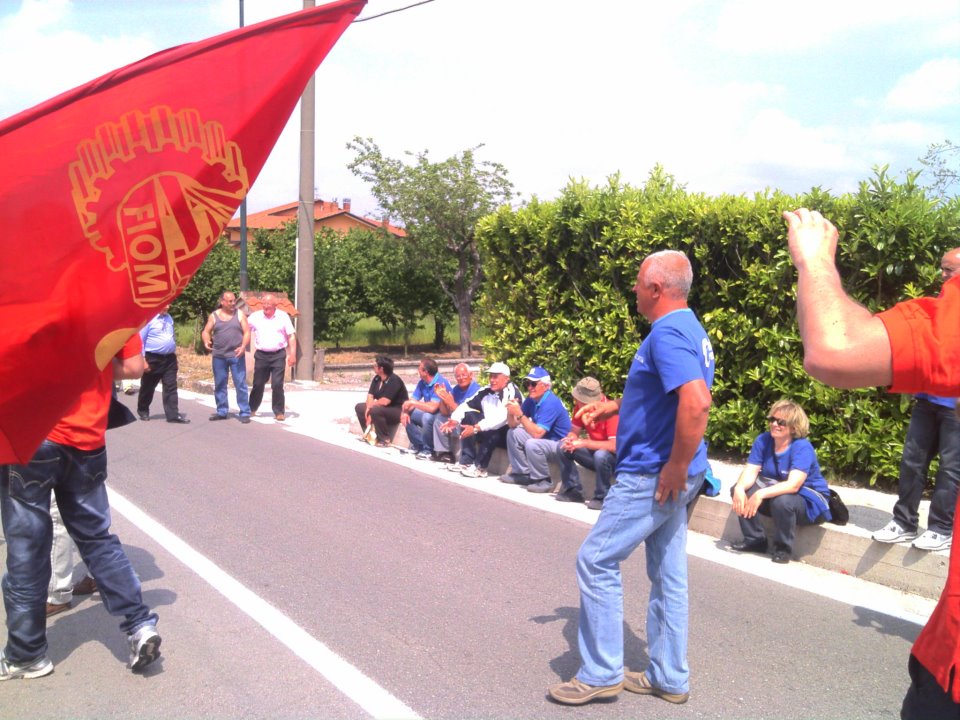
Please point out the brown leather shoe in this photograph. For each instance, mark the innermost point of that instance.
(87, 586)
(280, 417)
(57, 608)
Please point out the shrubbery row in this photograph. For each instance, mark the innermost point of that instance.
(558, 293)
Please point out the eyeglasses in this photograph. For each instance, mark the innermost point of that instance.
(531, 383)
(777, 421)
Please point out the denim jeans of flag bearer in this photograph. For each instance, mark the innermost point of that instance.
(77, 477)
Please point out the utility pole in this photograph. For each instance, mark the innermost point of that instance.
(305, 227)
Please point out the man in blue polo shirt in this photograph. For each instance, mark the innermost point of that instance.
(160, 356)
(446, 427)
(536, 429)
(420, 412)
(661, 464)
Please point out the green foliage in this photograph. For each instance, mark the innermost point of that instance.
(558, 293)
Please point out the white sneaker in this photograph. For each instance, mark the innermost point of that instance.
(893, 533)
(144, 647)
(932, 540)
(423, 455)
(27, 671)
(474, 472)
(456, 467)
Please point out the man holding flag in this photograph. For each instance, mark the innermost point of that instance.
(137, 173)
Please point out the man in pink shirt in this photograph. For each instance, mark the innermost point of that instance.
(275, 348)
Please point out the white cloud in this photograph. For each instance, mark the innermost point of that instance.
(747, 26)
(43, 54)
(935, 85)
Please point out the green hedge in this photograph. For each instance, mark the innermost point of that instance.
(558, 279)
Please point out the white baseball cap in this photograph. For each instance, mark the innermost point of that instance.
(499, 368)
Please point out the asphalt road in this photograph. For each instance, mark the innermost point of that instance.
(299, 579)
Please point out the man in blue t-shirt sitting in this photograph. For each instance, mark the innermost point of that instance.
(420, 411)
(536, 429)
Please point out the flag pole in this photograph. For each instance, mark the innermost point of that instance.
(306, 230)
(244, 281)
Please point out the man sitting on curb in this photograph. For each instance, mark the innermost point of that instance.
(465, 388)
(420, 412)
(597, 451)
(536, 429)
(483, 421)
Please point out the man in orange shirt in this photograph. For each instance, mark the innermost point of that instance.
(72, 462)
(597, 451)
(912, 347)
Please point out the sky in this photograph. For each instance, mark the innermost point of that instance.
(729, 96)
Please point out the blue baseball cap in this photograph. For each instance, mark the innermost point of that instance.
(538, 374)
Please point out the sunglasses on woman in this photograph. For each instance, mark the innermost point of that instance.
(777, 421)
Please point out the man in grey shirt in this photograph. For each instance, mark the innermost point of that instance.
(227, 335)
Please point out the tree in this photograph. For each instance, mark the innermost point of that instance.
(943, 162)
(439, 205)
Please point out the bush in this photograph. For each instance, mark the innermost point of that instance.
(558, 279)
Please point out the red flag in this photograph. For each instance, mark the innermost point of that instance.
(112, 193)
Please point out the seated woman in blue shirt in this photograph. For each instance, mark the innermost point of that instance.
(781, 480)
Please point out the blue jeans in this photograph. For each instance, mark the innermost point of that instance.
(468, 447)
(77, 479)
(630, 516)
(529, 455)
(602, 462)
(237, 366)
(933, 429)
(420, 430)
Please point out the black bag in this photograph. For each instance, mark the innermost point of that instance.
(838, 511)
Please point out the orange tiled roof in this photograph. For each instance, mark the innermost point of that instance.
(251, 302)
(322, 209)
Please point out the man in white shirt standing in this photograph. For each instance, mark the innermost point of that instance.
(276, 348)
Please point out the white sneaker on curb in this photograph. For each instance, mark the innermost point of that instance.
(456, 467)
(27, 671)
(144, 647)
(893, 533)
(932, 540)
(474, 472)
(423, 455)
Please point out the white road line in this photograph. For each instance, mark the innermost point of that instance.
(342, 675)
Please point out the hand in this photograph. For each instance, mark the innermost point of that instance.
(404, 418)
(208, 344)
(467, 430)
(812, 238)
(673, 482)
(739, 499)
(596, 411)
(448, 426)
(291, 360)
(239, 351)
(752, 505)
(570, 444)
(513, 408)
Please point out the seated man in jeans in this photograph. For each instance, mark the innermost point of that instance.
(420, 412)
(536, 429)
(446, 428)
(597, 451)
(482, 421)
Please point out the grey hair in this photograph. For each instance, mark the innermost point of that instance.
(672, 270)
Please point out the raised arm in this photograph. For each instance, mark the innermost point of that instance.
(845, 345)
